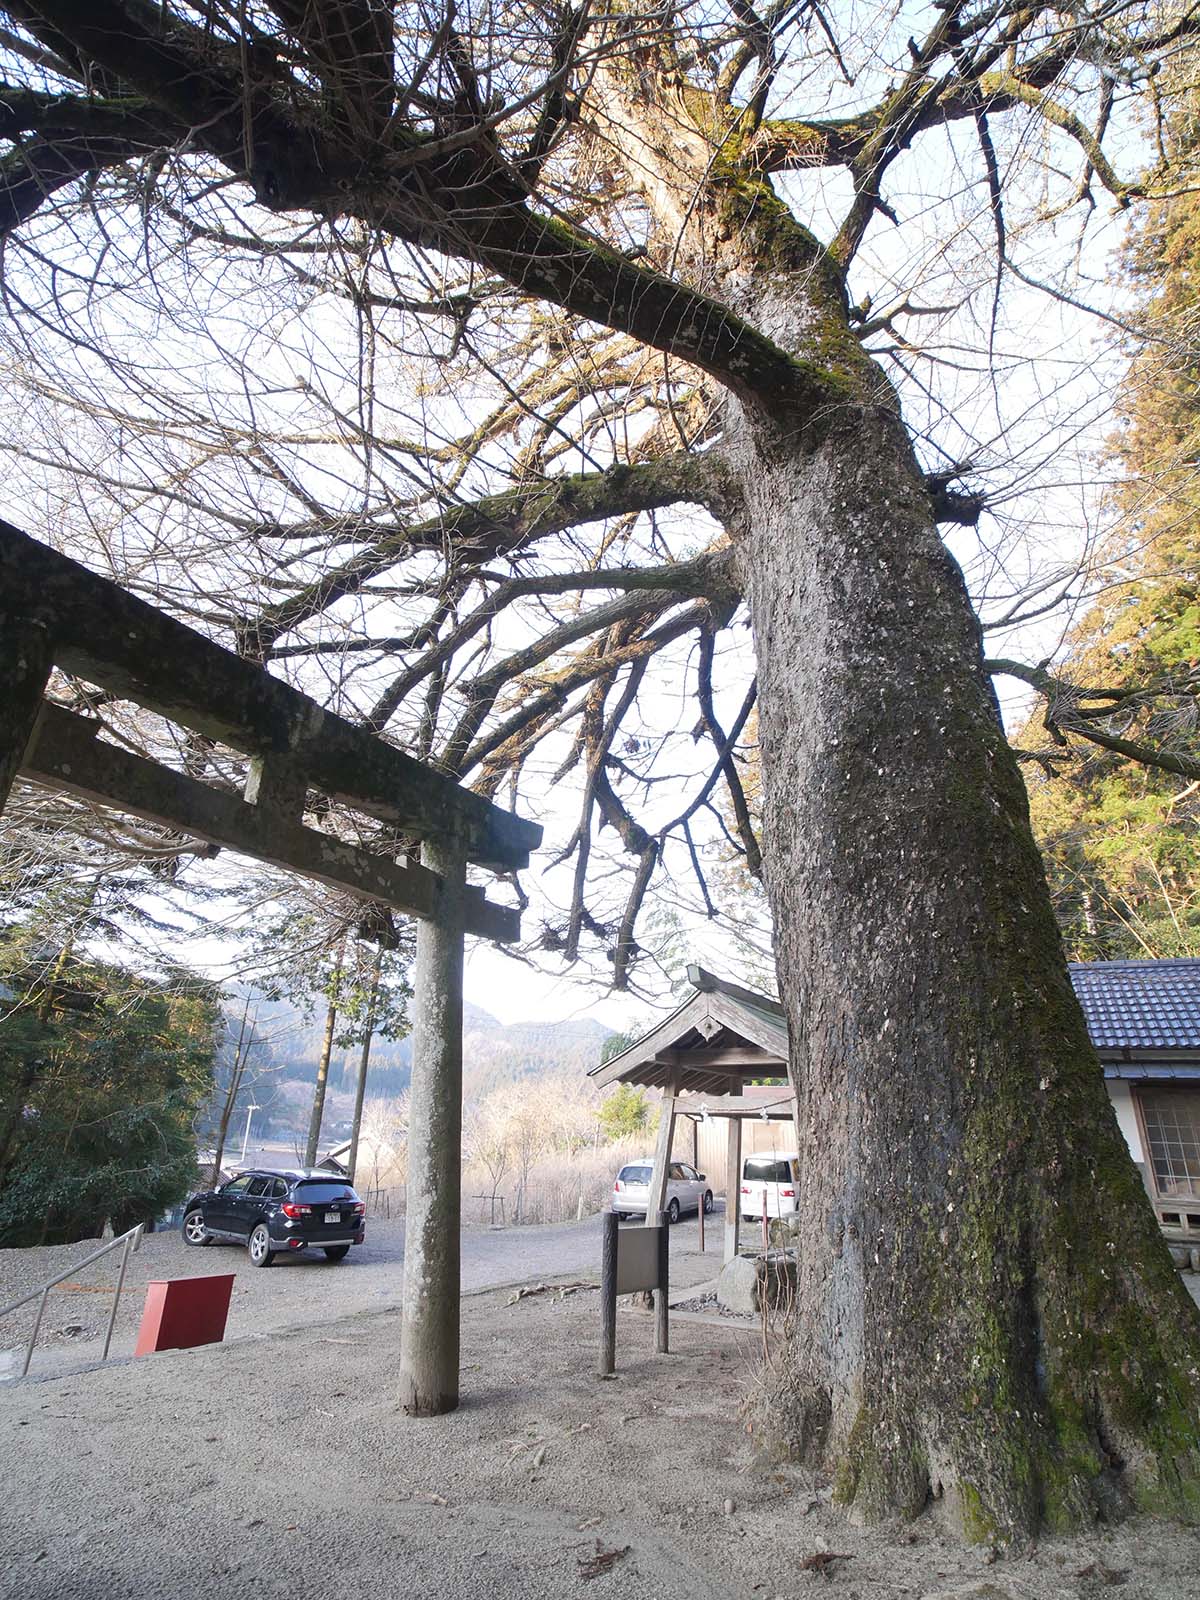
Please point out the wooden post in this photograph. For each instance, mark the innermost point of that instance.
(733, 1186)
(657, 1198)
(662, 1339)
(24, 673)
(608, 1293)
(430, 1316)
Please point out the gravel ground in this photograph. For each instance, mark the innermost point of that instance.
(709, 1306)
(297, 1290)
(282, 1468)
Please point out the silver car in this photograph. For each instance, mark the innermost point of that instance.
(687, 1189)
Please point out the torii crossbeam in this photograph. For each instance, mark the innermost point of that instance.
(56, 613)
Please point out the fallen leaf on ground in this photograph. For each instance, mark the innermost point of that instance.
(524, 1293)
(520, 1445)
(822, 1561)
(1103, 1574)
(603, 1561)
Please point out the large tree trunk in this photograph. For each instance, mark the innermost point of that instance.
(987, 1311)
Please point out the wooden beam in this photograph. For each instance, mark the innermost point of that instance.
(66, 754)
(111, 638)
(749, 1056)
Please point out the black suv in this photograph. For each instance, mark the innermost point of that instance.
(273, 1211)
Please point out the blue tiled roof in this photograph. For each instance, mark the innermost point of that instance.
(1140, 1005)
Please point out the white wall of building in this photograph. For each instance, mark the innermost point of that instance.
(1121, 1094)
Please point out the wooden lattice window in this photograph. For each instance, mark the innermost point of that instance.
(1172, 1122)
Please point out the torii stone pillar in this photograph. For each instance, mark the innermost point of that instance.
(429, 1339)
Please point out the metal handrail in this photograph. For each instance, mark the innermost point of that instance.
(132, 1240)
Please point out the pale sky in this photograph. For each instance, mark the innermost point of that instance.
(1050, 411)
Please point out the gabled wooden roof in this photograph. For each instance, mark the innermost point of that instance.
(721, 1037)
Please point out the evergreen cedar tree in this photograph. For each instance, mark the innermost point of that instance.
(102, 1076)
(1120, 838)
(986, 1312)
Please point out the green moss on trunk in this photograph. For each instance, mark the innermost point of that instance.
(984, 1293)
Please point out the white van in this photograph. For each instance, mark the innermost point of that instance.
(770, 1184)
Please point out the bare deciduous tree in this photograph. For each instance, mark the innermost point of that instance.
(664, 258)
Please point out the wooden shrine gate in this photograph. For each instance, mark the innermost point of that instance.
(55, 613)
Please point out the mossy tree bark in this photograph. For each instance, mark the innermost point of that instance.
(986, 1309)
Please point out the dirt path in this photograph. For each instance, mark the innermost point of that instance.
(281, 1467)
(298, 1290)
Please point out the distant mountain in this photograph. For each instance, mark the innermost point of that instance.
(287, 1046)
(495, 1052)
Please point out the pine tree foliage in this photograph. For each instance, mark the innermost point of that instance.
(102, 1074)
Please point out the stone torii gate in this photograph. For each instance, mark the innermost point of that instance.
(55, 613)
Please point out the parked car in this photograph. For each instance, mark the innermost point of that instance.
(687, 1189)
(770, 1184)
(270, 1212)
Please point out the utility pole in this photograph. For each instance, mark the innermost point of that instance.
(235, 1083)
(250, 1110)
